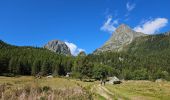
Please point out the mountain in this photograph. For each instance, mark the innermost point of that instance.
(167, 33)
(146, 57)
(4, 45)
(151, 44)
(58, 46)
(120, 39)
(27, 60)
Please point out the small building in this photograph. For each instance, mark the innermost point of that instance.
(50, 76)
(68, 74)
(114, 80)
(160, 80)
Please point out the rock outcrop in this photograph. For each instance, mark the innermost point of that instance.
(58, 47)
(121, 38)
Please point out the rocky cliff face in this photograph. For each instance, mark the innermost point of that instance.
(121, 38)
(167, 33)
(58, 47)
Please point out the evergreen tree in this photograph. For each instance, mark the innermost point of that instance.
(35, 67)
(44, 68)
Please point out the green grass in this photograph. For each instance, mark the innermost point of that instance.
(141, 90)
(99, 97)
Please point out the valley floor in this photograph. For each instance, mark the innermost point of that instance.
(30, 88)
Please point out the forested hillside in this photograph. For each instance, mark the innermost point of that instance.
(30, 61)
(150, 44)
(145, 58)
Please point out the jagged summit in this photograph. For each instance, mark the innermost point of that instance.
(122, 37)
(122, 27)
(58, 47)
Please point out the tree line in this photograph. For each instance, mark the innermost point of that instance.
(138, 65)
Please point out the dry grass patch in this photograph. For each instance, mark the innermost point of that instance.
(29, 88)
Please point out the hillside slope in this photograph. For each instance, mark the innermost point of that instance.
(31, 60)
(152, 44)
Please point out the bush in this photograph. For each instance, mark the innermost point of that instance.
(77, 75)
(46, 88)
(8, 74)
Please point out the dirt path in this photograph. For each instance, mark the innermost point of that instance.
(101, 90)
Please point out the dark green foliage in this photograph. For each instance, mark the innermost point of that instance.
(45, 68)
(145, 58)
(150, 44)
(3, 65)
(31, 61)
(102, 71)
(35, 67)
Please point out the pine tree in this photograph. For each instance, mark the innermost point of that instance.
(35, 67)
(44, 68)
(13, 66)
(10, 67)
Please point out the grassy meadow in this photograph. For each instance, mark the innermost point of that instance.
(30, 88)
(141, 90)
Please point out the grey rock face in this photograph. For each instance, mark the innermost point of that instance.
(167, 33)
(58, 47)
(122, 37)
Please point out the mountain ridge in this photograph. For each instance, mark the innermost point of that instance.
(120, 38)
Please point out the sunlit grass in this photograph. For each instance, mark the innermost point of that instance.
(142, 90)
(26, 87)
(145, 90)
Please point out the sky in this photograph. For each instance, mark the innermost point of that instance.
(83, 25)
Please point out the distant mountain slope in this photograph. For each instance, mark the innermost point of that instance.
(150, 44)
(121, 38)
(4, 45)
(22, 50)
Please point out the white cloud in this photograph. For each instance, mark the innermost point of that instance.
(152, 26)
(109, 25)
(74, 49)
(130, 6)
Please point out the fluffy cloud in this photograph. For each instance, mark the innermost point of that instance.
(130, 6)
(109, 25)
(74, 49)
(152, 26)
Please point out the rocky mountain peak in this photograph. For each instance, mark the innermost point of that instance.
(122, 27)
(58, 47)
(122, 37)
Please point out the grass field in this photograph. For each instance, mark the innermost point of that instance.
(141, 90)
(29, 88)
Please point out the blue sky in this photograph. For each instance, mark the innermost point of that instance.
(82, 24)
